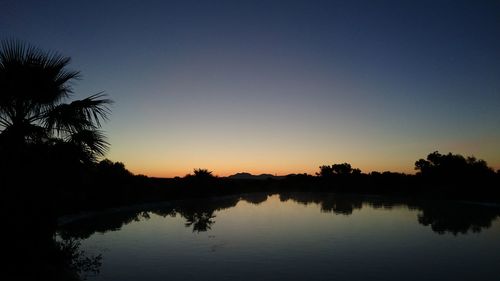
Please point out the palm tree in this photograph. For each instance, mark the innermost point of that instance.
(203, 173)
(34, 86)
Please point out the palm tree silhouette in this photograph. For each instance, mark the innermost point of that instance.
(34, 84)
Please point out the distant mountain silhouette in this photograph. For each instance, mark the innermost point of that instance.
(248, 176)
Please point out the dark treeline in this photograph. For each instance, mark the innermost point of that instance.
(446, 176)
(107, 184)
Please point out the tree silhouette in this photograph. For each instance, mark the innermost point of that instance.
(452, 166)
(47, 144)
(33, 87)
(337, 169)
(202, 174)
(325, 171)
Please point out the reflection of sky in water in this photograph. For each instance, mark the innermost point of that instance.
(288, 240)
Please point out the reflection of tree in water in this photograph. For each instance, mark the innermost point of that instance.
(339, 205)
(304, 198)
(199, 213)
(442, 216)
(77, 260)
(201, 221)
(108, 221)
(447, 216)
(254, 198)
(329, 202)
(457, 218)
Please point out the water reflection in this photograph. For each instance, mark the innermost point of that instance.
(328, 202)
(443, 217)
(456, 218)
(199, 214)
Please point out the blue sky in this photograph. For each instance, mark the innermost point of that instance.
(280, 86)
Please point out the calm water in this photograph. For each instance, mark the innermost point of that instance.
(296, 236)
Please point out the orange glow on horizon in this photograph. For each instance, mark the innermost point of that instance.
(166, 171)
(221, 172)
(161, 156)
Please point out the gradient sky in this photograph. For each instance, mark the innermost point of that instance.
(280, 86)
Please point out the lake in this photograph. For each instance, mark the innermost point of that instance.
(295, 236)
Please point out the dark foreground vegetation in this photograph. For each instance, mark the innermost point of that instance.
(49, 152)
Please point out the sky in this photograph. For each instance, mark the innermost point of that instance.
(279, 86)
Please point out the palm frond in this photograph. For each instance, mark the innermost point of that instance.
(4, 122)
(30, 74)
(94, 108)
(30, 133)
(64, 119)
(78, 115)
(92, 141)
(10, 50)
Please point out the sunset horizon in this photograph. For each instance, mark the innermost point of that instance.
(181, 172)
